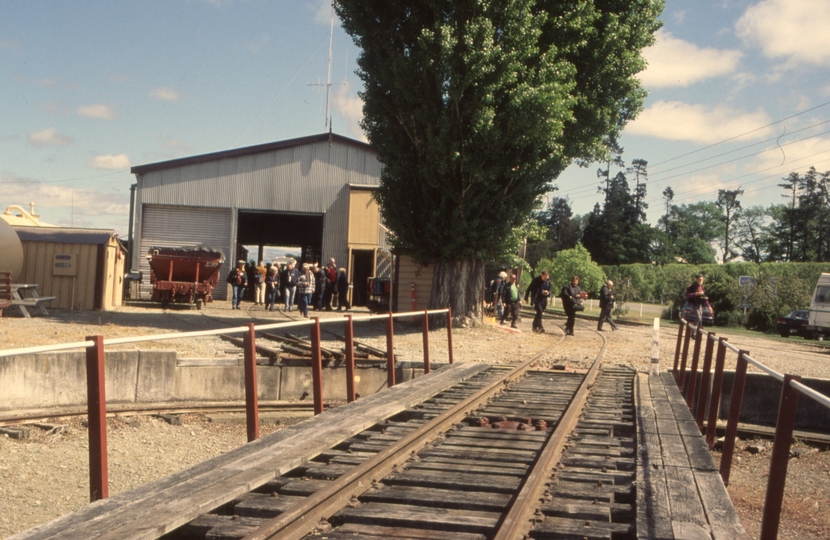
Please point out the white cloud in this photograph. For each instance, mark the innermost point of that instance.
(322, 13)
(350, 107)
(50, 107)
(10, 44)
(256, 46)
(49, 137)
(678, 121)
(164, 94)
(121, 161)
(675, 62)
(106, 112)
(789, 30)
(51, 198)
(48, 82)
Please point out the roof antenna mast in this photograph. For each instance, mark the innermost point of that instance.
(328, 79)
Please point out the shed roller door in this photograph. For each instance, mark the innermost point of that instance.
(185, 226)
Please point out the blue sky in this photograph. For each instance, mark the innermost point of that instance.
(88, 89)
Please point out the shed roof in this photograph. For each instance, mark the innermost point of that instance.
(64, 236)
(257, 149)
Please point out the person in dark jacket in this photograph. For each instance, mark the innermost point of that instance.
(539, 292)
(606, 305)
(696, 296)
(319, 287)
(343, 290)
(496, 290)
(511, 299)
(272, 288)
(238, 278)
(571, 295)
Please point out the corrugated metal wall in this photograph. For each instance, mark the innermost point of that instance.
(70, 292)
(181, 226)
(309, 178)
(304, 179)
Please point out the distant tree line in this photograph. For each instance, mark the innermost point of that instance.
(615, 232)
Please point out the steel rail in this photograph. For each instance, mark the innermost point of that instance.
(114, 411)
(516, 523)
(298, 521)
(204, 333)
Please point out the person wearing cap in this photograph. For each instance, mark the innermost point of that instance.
(239, 281)
(606, 305)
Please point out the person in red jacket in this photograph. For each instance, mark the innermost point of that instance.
(331, 282)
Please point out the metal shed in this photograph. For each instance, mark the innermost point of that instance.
(81, 268)
(308, 192)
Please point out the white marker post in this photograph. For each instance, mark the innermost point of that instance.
(655, 348)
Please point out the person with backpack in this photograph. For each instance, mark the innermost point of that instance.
(511, 299)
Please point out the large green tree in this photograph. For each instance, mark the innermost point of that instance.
(475, 106)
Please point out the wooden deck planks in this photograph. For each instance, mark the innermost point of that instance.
(680, 494)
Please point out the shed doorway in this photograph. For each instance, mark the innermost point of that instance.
(276, 229)
(363, 267)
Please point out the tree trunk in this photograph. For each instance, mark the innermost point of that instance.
(459, 285)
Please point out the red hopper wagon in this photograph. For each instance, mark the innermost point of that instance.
(184, 275)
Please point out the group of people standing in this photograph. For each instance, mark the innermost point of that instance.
(507, 300)
(306, 287)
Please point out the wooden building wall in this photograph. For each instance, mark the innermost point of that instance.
(406, 273)
(76, 291)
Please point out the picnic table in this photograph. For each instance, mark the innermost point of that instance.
(33, 300)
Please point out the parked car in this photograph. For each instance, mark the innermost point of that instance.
(794, 323)
(708, 314)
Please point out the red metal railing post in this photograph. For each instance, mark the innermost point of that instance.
(691, 382)
(97, 417)
(349, 334)
(734, 415)
(780, 459)
(251, 387)
(425, 329)
(449, 333)
(316, 366)
(705, 374)
(681, 377)
(677, 346)
(390, 351)
(717, 386)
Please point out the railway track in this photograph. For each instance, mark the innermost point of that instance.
(512, 452)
